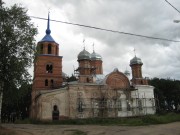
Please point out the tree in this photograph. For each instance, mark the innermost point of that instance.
(19, 103)
(17, 45)
(72, 78)
(168, 93)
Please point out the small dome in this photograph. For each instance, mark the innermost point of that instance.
(127, 73)
(116, 70)
(84, 55)
(135, 60)
(95, 56)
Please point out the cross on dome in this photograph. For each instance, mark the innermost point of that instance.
(48, 37)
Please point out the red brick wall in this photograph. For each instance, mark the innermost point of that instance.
(140, 81)
(46, 55)
(98, 66)
(137, 75)
(136, 71)
(84, 67)
(117, 80)
(40, 73)
(54, 48)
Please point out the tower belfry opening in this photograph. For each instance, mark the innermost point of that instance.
(49, 48)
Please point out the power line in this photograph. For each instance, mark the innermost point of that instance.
(109, 30)
(172, 6)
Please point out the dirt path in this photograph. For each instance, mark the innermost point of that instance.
(29, 129)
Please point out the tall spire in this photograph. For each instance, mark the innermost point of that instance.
(47, 37)
(48, 31)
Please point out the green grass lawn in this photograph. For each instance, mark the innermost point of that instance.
(131, 121)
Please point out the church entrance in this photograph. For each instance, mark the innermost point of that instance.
(55, 113)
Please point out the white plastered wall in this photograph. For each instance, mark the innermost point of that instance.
(47, 101)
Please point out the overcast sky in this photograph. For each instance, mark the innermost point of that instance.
(146, 17)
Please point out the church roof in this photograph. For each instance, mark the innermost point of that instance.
(126, 72)
(47, 37)
(100, 78)
(117, 79)
(84, 55)
(95, 56)
(135, 60)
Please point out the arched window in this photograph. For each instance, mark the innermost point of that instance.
(140, 104)
(103, 102)
(110, 106)
(41, 48)
(56, 50)
(55, 107)
(49, 68)
(49, 48)
(52, 83)
(80, 106)
(55, 113)
(128, 106)
(46, 82)
(88, 80)
(119, 105)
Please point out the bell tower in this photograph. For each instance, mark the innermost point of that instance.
(47, 68)
(47, 64)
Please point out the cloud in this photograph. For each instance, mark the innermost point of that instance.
(151, 18)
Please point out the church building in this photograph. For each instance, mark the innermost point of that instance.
(93, 94)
